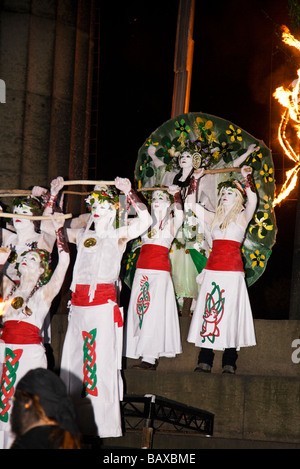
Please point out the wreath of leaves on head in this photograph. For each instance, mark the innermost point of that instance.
(32, 203)
(45, 259)
(233, 183)
(108, 195)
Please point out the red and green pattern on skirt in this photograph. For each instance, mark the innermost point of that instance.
(89, 363)
(143, 301)
(214, 309)
(8, 379)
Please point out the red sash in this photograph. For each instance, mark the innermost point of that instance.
(155, 257)
(20, 332)
(225, 255)
(103, 293)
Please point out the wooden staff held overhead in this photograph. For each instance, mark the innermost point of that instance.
(90, 183)
(206, 171)
(57, 216)
(24, 193)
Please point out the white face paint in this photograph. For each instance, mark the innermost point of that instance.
(160, 201)
(228, 196)
(186, 160)
(22, 223)
(31, 262)
(103, 215)
(101, 209)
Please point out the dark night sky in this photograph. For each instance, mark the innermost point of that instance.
(239, 61)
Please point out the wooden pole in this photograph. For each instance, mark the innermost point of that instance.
(56, 216)
(206, 171)
(183, 60)
(87, 182)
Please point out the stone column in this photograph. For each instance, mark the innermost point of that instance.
(45, 60)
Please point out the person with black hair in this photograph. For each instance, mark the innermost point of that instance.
(43, 415)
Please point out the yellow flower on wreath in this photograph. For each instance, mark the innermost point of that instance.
(267, 173)
(262, 225)
(258, 156)
(200, 127)
(268, 202)
(150, 142)
(258, 259)
(235, 134)
(216, 155)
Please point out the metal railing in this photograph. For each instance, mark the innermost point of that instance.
(152, 413)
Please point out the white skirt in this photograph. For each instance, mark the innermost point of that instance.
(222, 317)
(152, 326)
(91, 368)
(15, 360)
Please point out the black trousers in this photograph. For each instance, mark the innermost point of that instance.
(229, 357)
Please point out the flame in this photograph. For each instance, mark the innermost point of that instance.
(289, 99)
(288, 38)
(4, 306)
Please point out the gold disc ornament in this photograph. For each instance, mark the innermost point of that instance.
(17, 302)
(90, 242)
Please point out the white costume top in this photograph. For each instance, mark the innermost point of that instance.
(38, 308)
(162, 237)
(98, 259)
(233, 232)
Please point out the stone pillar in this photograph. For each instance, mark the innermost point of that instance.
(45, 60)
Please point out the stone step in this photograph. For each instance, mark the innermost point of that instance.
(181, 441)
(274, 355)
(260, 405)
(250, 408)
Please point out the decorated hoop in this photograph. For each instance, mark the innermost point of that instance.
(215, 144)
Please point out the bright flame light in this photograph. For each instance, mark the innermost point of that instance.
(4, 306)
(289, 99)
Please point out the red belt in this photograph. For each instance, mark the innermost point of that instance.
(19, 332)
(154, 257)
(225, 255)
(103, 293)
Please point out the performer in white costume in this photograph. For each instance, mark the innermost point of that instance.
(92, 351)
(25, 307)
(222, 319)
(30, 233)
(152, 328)
(193, 241)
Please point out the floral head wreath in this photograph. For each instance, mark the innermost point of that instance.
(32, 203)
(45, 261)
(105, 195)
(234, 184)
